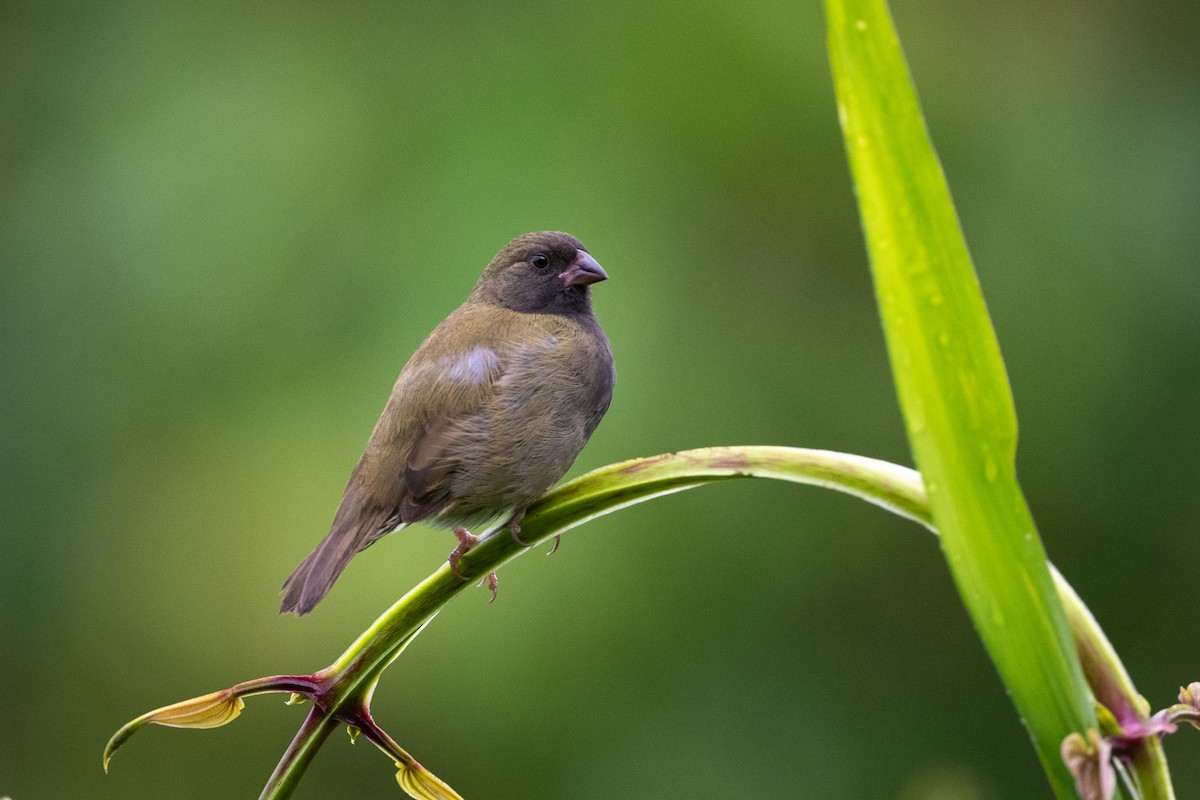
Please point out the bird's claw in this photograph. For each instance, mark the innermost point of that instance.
(514, 527)
(466, 540)
(491, 581)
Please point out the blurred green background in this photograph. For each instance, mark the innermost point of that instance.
(223, 229)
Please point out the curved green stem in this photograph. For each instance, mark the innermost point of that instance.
(898, 489)
(610, 488)
(341, 693)
(893, 487)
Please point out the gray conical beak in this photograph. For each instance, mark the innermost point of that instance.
(583, 271)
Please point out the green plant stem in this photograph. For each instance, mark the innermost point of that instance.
(614, 487)
(1112, 688)
(1148, 765)
(300, 753)
(898, 489)
(350, 680)
(341, 694)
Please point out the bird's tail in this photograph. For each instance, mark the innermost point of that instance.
(311, 581)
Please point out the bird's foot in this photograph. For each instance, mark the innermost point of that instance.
(466, 540)
(491, 581)
(514, 527)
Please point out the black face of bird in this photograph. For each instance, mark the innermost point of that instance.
(545, 272)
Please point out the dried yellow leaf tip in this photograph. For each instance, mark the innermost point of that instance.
(207, 711)
(421, 784)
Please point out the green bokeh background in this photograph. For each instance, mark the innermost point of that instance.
(223, 229)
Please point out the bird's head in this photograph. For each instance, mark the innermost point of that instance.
(544, 272)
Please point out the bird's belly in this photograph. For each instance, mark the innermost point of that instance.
(506, 471)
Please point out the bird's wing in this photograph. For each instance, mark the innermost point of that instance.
(419, 442)
(405, 471)
(427, 472)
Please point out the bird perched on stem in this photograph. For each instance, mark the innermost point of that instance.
(486, 416)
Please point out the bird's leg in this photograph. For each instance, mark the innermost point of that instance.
(466, 540)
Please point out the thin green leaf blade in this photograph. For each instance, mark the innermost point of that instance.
(951, 381)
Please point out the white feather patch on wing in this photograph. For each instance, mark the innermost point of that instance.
(477, 365)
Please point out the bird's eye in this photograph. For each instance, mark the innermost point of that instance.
(539, 260)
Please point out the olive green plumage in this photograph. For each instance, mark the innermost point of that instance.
(489, 412)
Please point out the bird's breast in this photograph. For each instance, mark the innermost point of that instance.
(548, 399)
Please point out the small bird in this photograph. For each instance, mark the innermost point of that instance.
(490, 411)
